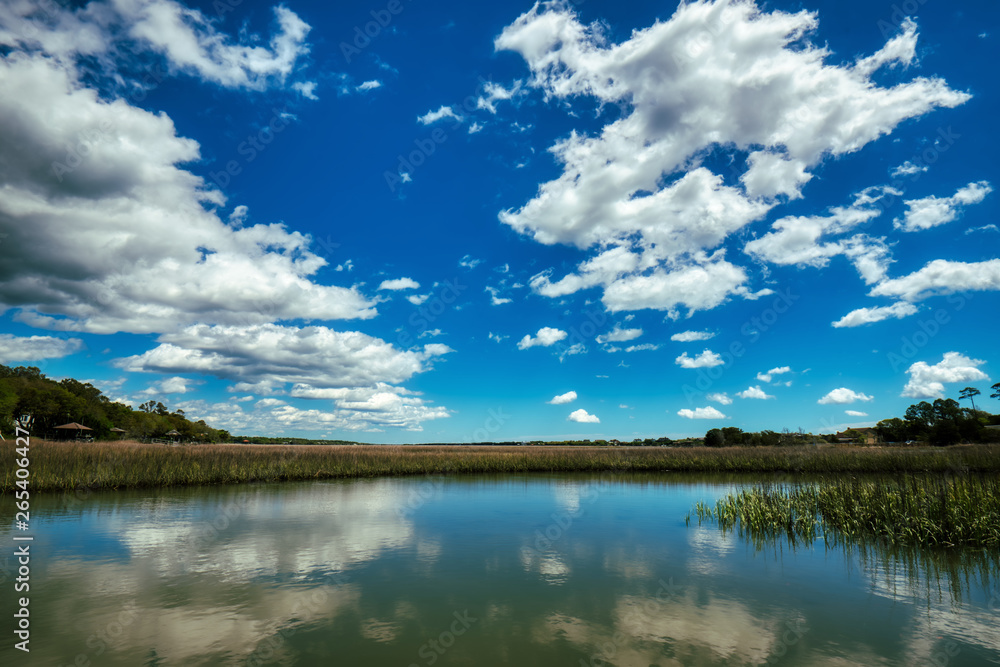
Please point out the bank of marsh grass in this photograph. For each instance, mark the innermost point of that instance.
(927, 511)
(117, 465)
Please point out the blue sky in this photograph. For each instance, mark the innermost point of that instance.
(420, 222)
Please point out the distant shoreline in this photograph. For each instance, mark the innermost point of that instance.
(84, 468)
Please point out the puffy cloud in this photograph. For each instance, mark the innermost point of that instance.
(356, 371)
(469, 262)
(366, 409)
(496, 299)
(642, 348)
(619, 335)
(399, 284)
(927, 381)
(494, 92)
(637, 190)
(33, 348)
(545, 337)
(692, 336)
(754, 392)
(129, 241)
(701, 413)
(306, 89)
(583, 417)
(368, 85)
(190, 42)
(434, 116)
(855, 413)
(173, 385)
(315, 356)
(908, 169)
(861, 316)
(721, 398)
(766, 377)
(802, 240)
(562, 399)
(931, 211)
(942, 277)
(418, 299)
(186, 38)
(843, 396)
(707, 359)
(124, 239)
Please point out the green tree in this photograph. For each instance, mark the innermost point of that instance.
(969, 393)
(714, 438)
(733, 435)
(996, 390)
(892, 430)
(920, 418)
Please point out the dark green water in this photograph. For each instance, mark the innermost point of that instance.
(515, 570)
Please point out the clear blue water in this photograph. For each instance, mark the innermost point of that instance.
(488, 570)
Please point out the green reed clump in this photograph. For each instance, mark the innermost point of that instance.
(942, 511)
(116, 465)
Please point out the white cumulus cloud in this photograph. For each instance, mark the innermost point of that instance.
(562, 399)
(767, 377)
(635, 194)
(843, 396)
(399, 284)
(545, 337)
(619, 335)
(721, 398)
(692, 336)
(861, 316)
(583, 417)
(941, 277)
(707, 359)
(442, 113)
(754, 392)
(928, 381)
(934, 211)
(34, 348)
(701, 413)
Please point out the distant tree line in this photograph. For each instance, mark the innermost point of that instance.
(943, 422)
(274, 440)
(731, 436)
(24, 390)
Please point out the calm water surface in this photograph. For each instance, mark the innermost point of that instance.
(515, 570)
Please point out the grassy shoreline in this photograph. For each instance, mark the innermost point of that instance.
(906, 510)
(56, 466)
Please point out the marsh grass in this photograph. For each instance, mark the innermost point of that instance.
(935, 532)
(929, 511)
(118, 465)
